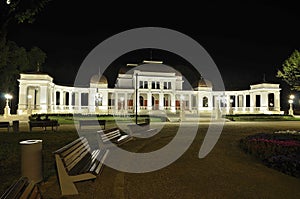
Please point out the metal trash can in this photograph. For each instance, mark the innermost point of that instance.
(16, 126)
(31, 159)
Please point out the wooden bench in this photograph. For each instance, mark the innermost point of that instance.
(141, 128)
(78, 162)
(44, 124)
(91, 123)
(23, 188)
(5, 125)
(113, 137)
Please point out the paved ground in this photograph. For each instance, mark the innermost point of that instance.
(225, 173)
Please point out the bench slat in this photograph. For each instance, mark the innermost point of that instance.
(14, 191)
(74, 154)
(114, 136)
(93, 160)
(23, 188)
(111, 137)
(77, 160)
(100, 165)
(27, 191)
(78, 167)
(68, 146)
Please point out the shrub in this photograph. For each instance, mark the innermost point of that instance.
(278, 151)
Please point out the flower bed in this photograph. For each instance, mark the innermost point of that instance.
(280, 151)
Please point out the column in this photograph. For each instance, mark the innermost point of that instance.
(126, 102)
(105, 101)
(116, 102)
(61, 101)
(252, 102)
(149, 101)
(277, 101)
(54, 100)
(79, 100)
(161, 101)
(264, 101)
(199, 101)
(173, 108)
(137, 102)
(190, 102)
(22, 106)
(51, 99)
(228, 104)
(91, 100)
(245, 102)
(70, 100)
(43, 99)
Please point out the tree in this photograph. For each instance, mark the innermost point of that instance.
(15, 59)
(19, 11)
(290, 72)
(36, 58)
(18, 60)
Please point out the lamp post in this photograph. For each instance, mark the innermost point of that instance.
(136, 98)
(291, 100)
(7, 108)
(29, 110)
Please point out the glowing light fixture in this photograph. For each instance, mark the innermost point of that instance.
(152, 62)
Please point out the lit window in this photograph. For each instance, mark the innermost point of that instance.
(153, 85)
(165, 85)
(141, 84)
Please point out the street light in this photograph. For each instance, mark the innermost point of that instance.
(291, 100)
(7, 109)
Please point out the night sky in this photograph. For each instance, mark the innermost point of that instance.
(247, 41)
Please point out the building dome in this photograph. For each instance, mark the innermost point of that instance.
(124, 69)
(97, 79)
(204, 83)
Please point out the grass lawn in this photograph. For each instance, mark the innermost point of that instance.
(69, 119)
(10, 153)
(227, 172)
(261, 117)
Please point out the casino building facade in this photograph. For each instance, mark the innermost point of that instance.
(145, 92)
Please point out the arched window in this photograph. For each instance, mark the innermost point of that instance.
(141, 101)
(271, 99)
(205, 102)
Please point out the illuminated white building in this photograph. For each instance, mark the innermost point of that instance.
(156, 91)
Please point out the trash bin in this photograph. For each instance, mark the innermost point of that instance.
(16, 126)
(31, 159)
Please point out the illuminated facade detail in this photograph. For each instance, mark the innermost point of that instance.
(156, 92)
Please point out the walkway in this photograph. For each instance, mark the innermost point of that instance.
(226, 172)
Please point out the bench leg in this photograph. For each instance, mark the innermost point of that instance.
(67, 186)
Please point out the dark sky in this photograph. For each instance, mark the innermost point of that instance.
(246, 40)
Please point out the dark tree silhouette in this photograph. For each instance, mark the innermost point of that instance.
(290, 72)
